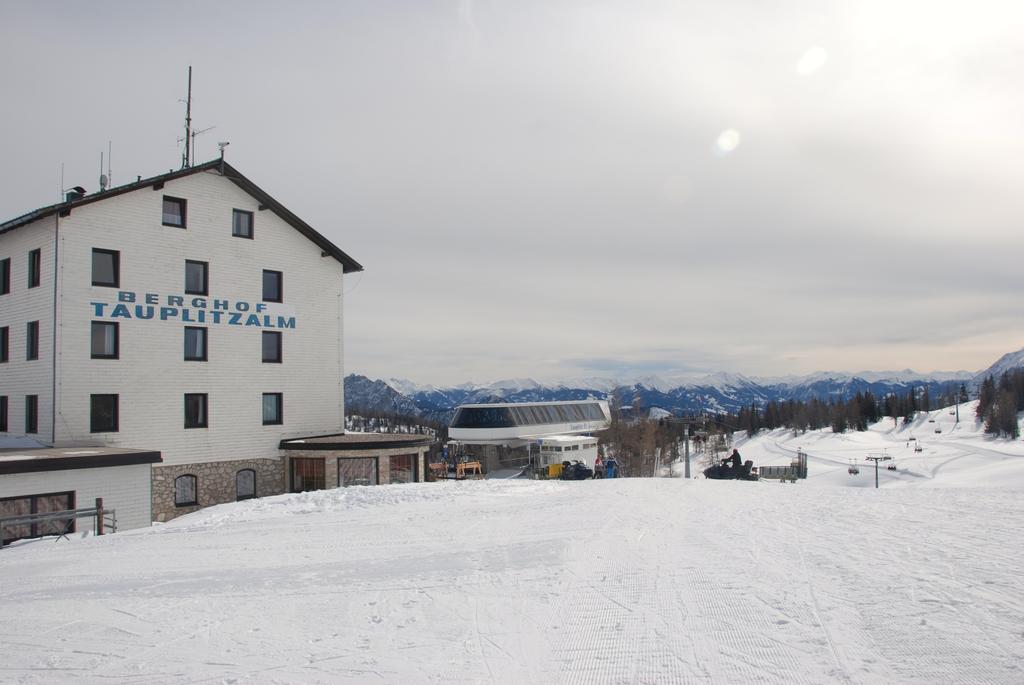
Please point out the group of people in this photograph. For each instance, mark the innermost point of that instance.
(607, 468)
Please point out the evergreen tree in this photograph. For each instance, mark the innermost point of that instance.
(837, 417)
(1002, 419)
(986, 397)
(892, 407)
(854, 418)
(909, 405)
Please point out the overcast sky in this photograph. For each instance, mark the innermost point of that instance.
(569, 189)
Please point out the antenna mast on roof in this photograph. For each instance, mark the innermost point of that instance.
(186, 158)
(190, 135)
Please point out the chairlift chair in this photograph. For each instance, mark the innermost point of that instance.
(853, 470)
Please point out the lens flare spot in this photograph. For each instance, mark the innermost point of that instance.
(728, 140)
(812, 60)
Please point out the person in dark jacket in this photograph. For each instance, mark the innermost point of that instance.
(737, 461)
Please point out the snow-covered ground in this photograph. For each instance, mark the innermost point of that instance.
(951, 454)
(627, 581)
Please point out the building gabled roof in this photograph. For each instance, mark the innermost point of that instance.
(328, 248)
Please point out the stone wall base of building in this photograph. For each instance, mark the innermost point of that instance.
(215, 483)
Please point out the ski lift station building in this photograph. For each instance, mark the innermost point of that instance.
(507, 435)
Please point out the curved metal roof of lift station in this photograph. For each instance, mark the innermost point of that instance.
(518, 422)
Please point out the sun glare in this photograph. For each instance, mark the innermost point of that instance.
(812, 60)
(728, 140)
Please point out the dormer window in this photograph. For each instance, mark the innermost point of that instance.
(174, 211)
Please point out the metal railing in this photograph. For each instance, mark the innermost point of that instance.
(780, 472)
(104, 519)
(796, 469)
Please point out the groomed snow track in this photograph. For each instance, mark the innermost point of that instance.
(608, 581)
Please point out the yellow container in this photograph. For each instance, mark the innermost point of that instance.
(554, 471)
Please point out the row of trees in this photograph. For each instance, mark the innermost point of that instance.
(635, 443)
(856, 413)
(998, 403)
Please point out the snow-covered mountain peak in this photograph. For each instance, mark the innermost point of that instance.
(724, 381)
(655, 383)
(514, 384)
(407, 387)
(1010, 360)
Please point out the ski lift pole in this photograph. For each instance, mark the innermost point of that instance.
(686, 449)
(877, 458)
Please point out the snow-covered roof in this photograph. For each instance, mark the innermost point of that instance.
(29, 460)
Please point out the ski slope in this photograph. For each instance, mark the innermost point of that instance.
(952, 454)
(616, 581)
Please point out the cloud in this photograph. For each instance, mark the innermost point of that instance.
(661, 186)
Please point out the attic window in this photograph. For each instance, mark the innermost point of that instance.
(174, 211)
(241, 223)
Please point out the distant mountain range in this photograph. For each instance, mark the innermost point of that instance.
(715, 393)
(1009, 361)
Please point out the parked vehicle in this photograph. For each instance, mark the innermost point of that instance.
(725, 471)
(575, 470)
